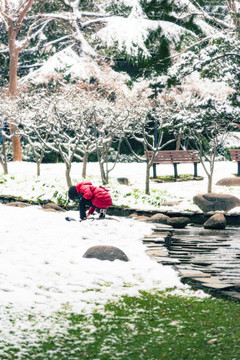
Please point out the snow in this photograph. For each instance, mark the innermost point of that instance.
(13, 4)
(131, 33)
(173, 32)
(42, 265)
(205, 88)
(42, 269)
(137, 11)
(80, 67)
(53, 180)
(232, 140)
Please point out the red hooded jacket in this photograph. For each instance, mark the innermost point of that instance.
(99, 196)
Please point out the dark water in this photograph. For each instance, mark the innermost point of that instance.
(212, 251)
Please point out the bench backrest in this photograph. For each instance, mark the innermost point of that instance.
(235, 154)
(174, 156)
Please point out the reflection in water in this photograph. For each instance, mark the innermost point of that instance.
(214, 252)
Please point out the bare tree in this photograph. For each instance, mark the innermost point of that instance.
(109, 121)
(28, 132)
(73, 122)
(208, 137)
(147, 126)
(200, 110)
(68, 125)
(12, 15)
(58, 132)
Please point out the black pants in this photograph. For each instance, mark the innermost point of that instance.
(82, 207)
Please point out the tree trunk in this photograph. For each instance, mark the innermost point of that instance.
(103, 177)
(16, 144)
(38, 167)
(67, 174)
(84, 166)
(107, 177)
(106, 169)
(12, 89)
(39, 161)
(209, 183)
(179, 140)
(147, 180)
(3, 158)
(212, 163)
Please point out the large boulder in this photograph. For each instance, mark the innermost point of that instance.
(216, 202)
(105, 252)
(216, 221)
(229, 181)
(178, 222)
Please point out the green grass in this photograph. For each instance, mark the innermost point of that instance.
(171, 178)
(155, 325)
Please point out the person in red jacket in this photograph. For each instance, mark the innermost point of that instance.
(92, 196)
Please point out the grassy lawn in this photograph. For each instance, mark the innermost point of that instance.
(155, 325)
(171, 178)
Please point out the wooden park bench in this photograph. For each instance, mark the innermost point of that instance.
(175, 157)
(235, 156)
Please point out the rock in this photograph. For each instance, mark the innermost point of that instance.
(143, 218)
(49, 210)
(52, 206)
(229, 181)
(134, 216)
(212, 341)
(214, 202)
(216, 221)
(18, 204)
(159, 218)
(123, 181)
(104, 252)
(178, 222)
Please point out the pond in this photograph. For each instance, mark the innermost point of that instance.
(209, 259)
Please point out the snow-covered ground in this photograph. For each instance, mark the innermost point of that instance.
(42, 265)
(51, 185)
(42, 269)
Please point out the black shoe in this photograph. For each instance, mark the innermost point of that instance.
(102, 213)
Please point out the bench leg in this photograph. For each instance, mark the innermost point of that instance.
(238, 168)
(175, 171)
(154, 171)
(195, 170)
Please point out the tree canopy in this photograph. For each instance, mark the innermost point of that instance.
(167, 46)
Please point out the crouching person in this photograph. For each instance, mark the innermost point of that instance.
(91, 196)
